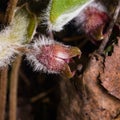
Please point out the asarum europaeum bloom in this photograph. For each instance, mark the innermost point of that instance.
(51, 56)
(92, 20)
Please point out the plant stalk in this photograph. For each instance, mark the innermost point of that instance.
(10, 11)
(13, 89)
(3, 92)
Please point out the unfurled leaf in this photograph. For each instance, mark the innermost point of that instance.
(62, 11)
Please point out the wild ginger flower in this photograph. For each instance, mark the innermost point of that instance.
(92, 20)
(51, 56)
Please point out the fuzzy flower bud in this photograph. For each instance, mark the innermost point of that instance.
(93, 20)
(52, 57)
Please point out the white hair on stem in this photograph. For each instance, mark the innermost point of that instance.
(7, 53)
(12, 37)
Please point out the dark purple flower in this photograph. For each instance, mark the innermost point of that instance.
(92, 20)
(95, 22)
(52, 57)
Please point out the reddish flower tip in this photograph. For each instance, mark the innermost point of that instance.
(52, 57)
(95, 22)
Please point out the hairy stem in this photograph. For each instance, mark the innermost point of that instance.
(13, 89)
(3, 92)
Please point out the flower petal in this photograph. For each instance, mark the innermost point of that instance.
(51, 56)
